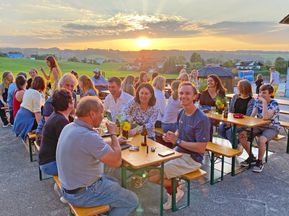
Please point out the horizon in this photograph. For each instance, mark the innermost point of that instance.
(133, 25)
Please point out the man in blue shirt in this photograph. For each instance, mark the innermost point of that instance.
(99, 81)
(190, 139)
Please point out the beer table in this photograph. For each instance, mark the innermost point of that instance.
(246, 121)
(142, 159)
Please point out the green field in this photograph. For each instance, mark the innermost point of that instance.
(110, 69)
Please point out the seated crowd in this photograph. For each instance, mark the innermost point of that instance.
(72, 147)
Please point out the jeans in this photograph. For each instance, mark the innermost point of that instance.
(49, 168)
(105, 191)
(169, 127)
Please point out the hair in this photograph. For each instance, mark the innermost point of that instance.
(127, 85)
(188, 84)
(22, 74)
(61, 99)
(20, 81)
(267, 87)
(88, 104)
(245, 87)
(159, 83)
(272, 68)
(87, 83)
(154, 75)
(5, 80)
(141, 76)
(149, 87)
(66, 78)
(184, 75)
(219, 85)
(38, 84)
(74, 73)
(115, 80)
(33, 69)
(183, 70)
(53, 63)
(175, 86)
(259, 76)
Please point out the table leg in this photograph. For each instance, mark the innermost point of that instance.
(287, 142)
(212, 178)
(123, 176)
(234, 144)
(162, 190)
(174, 191)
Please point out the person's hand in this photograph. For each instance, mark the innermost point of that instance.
(132, 132)
(262, 99)
(170, 137)
(111, 127)
(122, 140)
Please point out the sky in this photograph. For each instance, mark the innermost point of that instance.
(145, 24)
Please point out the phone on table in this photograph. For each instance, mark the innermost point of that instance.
(133, 148)
(166, 153)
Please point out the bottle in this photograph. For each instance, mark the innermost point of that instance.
(117, 123)
(225, 114)
(144, 133)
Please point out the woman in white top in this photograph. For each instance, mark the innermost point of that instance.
(159, 84)
(29, 113)
(169, 122)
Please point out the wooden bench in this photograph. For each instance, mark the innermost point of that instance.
(78, 211)
(284, 112)
(222, 151)
(31, 138)
(188, 177)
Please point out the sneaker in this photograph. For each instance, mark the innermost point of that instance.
(5, 125)
(179, 196)
(248, 161)
(258, 166)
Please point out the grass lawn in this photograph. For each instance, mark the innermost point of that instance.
(110, 69)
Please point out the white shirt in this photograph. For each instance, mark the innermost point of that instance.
(172, 111)
(117, 106)
(276, 77)
(33, 100)
(161, 103)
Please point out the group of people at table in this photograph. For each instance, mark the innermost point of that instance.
(72, 148)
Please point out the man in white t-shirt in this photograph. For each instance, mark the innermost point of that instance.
(274, 79)
(117, 99)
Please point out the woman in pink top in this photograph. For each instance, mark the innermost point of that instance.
(21, 83)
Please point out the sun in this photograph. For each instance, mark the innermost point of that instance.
(143, 42)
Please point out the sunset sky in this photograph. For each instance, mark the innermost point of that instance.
(145, 24)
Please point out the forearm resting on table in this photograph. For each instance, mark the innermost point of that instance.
(198, 147)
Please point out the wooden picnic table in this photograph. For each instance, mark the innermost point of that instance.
(141, 159)
(247, 121)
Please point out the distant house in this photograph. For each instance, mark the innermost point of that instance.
(15, 55)
(99, 60)
(248, 65)
(225, 74)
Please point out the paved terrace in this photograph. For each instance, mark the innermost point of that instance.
(21, 193)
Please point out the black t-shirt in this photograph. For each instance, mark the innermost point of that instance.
(51, 132)
(29, 82)
(241, 105)
(258, 85)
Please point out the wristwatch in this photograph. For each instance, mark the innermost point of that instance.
(178, 141)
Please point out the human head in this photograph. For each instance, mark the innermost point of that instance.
(68, 81)
(38, 84)
(21, 82)
(114, 86)
(175, 86)
(91, 110)
(194, 74)
(145, 94)
(215, 82)
(33, 73)
(183, 77)
(259, 76)
(272, 69)
(143, 77)
(266, 91)
(127, 85)
(51, 62)
(74, 73)
(22, 74)
(7, 78)
(154, 75)
(183, 70)
(62, 100)
(244, 87)
(96, 72)
(85, 83)
(187, 94)
(159, 83)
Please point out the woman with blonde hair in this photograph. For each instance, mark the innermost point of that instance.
(184, 77)
(7, 79)
(169, 122)
(159, 84)
(143, 78)
(127, 85)
(54, 72)
(86, 86)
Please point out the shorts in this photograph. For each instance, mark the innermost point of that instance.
(180, 166)
(269, 132)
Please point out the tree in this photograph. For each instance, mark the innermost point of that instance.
(3, 54)
(229, 63)
(281, 65)
(197, 61)
(170, 64)
(73, 59)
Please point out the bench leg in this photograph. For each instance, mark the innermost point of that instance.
(212, 169)
(30, 149)
(287, 142)
(123, 176)
(251, 144)
(174, 191)
(267, 149)
(222, 171)
(40, 173)
(233, 166)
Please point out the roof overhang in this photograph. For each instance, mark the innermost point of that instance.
(285, 20)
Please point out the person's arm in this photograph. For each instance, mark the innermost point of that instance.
(162, 105)
(47, 77)
(1, 97)
(267, 114)
(37, 117)
(250, 107)
(19, 95)
(55, 74)
(113, 157)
